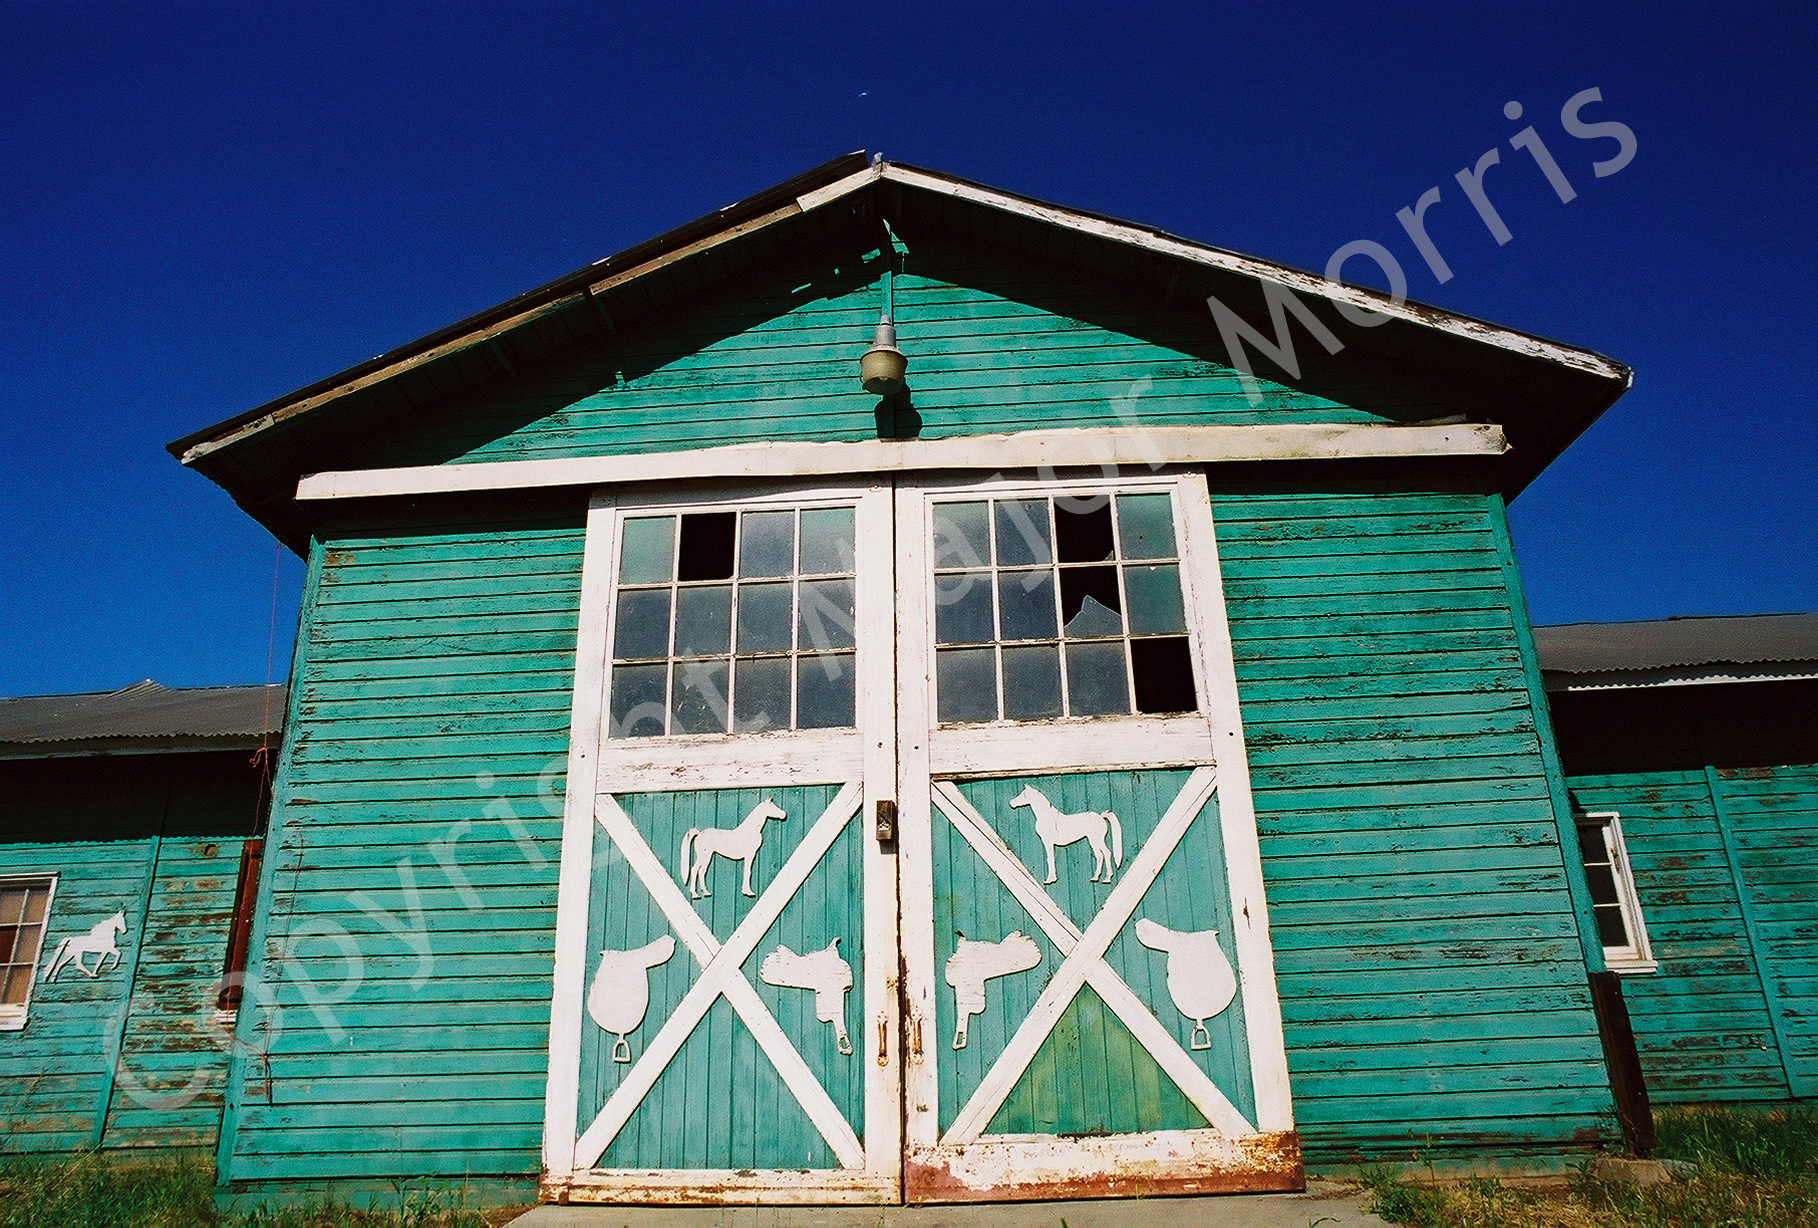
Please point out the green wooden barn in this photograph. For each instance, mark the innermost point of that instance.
(723, 765)
(130, 827)
(1691, 749)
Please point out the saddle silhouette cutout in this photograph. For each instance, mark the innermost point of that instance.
(98, 941)
(1056, 828)
(739, 844)
(620, 993)
(973, 963)
(824, 972)
(1200, 979)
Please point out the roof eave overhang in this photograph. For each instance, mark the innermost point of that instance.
(1596, 381)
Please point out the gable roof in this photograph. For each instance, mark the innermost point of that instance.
(1541, 392)
(142, 718)
(1678, 651)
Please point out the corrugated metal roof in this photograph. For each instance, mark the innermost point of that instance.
(206, 716)
(1667, 643)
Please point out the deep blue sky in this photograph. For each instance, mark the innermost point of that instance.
(204, 206)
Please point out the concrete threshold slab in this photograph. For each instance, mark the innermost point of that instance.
(1324, 1205)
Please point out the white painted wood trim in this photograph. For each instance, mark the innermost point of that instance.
(1139, 447)
(721, 974)
(1298, 280)
(1204, 589)
(736, 1186)
(575, 875)
(704, 761)
(1109, 743)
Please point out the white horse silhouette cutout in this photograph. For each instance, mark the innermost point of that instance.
(99, 940)
(620, 993)
(973, 963)
(1200, 979)
(824, 972)
(739, 843)
(1057, 828)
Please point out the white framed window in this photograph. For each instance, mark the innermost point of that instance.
(24, 912)
(1613, 898)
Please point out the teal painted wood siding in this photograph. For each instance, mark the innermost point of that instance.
(408, 907)
(1427, 944)
(991, 348)
(1719, 802)
(1704, 1022)
(134, 1057)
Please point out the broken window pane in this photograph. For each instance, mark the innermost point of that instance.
(1095, 679)
(965, 684)
(706, 547)
(768, 548)
(1082, 529)
(648, 551)
(1090, 605)
(1163, 675)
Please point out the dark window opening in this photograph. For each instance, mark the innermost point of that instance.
(239, 935)
(1079, 583)
(705, 551)
(1163, 673)
(1083, 537)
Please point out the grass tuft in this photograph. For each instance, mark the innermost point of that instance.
(1771, 1143)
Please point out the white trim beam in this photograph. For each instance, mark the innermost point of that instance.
(1148, 447)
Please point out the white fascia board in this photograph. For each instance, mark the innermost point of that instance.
(1146, 447)
(1680, 675)
(1294, 279)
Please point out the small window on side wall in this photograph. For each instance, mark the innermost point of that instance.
(24, 910)
(1614, 901)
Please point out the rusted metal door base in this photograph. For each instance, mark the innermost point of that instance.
(1124, 1166)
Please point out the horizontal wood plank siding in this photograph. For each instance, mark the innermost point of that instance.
(411, 875)
(1432, 979)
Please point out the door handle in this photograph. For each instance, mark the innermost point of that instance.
(915, 1039)
(883, 1039)
(885, 826)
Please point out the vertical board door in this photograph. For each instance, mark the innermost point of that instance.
(1091, 1007)
(726, 967)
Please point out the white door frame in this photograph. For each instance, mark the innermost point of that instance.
(862, 759)
(958, 1166)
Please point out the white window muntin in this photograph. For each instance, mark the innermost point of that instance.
(25, 910)
(1614, 900)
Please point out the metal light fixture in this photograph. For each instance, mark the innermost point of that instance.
(882, 367)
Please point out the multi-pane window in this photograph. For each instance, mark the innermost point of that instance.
(1059, 606)
(24, 905)
(1614, 901)
(733, 621)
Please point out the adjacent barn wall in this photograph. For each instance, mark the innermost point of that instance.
(1718, 791)
(1427, 942)
(115, 818)
(410, 882)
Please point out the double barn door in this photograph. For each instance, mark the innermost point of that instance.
(909, 854)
